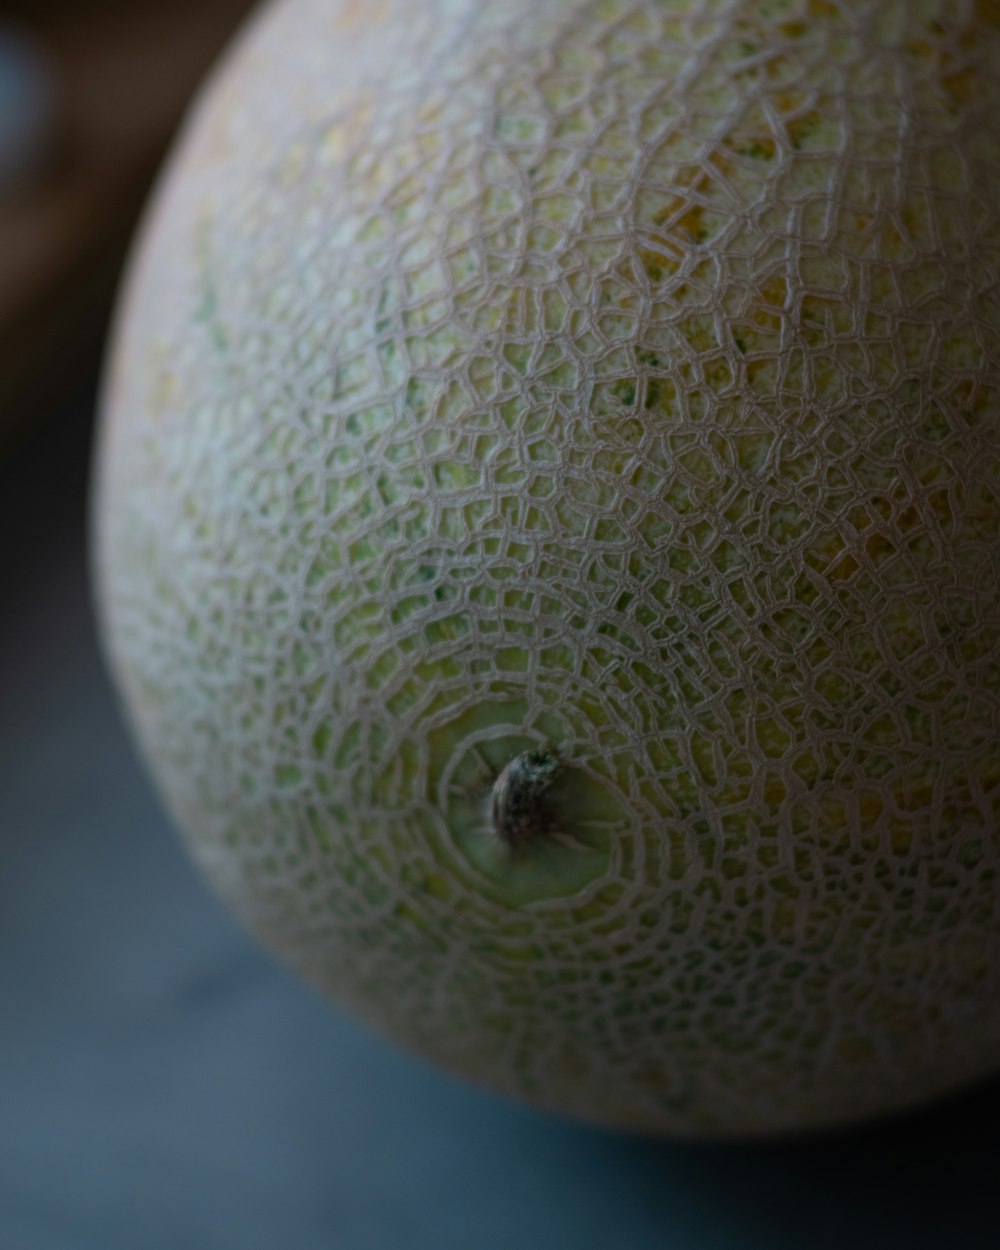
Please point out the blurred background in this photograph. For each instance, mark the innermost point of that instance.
(162, 1083)
(90, 93)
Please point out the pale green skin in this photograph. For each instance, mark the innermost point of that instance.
(537, 376)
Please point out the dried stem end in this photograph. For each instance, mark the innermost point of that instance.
(517, 805)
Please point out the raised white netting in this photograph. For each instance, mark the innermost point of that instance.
(612, 378)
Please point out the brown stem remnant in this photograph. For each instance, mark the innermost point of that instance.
(517, 806)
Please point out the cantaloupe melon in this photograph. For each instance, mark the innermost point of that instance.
(547, 534)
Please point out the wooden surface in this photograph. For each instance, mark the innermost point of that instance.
(124, 73)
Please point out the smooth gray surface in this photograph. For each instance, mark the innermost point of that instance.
(164, 1085)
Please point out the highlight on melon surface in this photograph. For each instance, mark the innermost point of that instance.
(547, 530)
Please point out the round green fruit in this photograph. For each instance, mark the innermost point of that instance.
(548, 537)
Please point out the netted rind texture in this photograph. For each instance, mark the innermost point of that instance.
(615, 380)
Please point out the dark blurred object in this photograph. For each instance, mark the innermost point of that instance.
(92, 92)
(28, 109)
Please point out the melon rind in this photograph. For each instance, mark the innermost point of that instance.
(612, 378)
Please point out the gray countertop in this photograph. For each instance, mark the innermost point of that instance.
(163, 1084)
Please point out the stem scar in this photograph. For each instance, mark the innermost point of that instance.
(517, 803)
